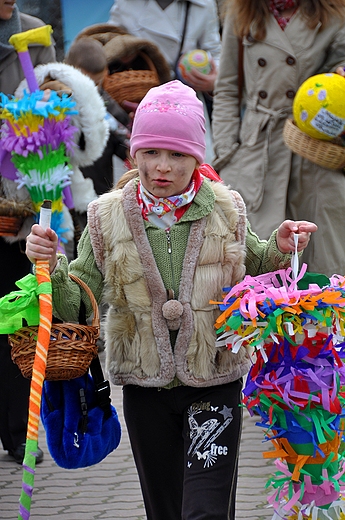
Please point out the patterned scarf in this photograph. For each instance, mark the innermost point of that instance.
(163, 212)
(276, 8)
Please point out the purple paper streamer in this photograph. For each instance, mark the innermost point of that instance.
(8, 169)
(53, 133)
(28, 69)
(67, 197)
(24, 513)
(28, 490)
(28, 469)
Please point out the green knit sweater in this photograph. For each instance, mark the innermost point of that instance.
(261, 256)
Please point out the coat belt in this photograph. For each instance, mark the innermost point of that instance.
(271, 121)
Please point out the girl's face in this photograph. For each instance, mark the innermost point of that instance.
(164, 173)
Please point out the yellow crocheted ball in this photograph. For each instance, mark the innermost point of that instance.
(319, 106)
(196, 59)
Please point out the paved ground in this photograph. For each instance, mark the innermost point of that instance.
(110, 490)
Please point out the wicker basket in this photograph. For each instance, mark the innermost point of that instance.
(71, 350)
(132, 85)
(10, 226)
(323, 153)
(12, 216)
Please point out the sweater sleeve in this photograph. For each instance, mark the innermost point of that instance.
(66, 293)
(263, 256)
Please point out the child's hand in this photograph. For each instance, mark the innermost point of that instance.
(42, 245)
(286, 231)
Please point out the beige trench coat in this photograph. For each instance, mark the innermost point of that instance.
(275, 183)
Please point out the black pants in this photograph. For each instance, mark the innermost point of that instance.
(185, 443)
(14, 388)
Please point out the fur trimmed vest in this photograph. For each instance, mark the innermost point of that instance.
(138, 346)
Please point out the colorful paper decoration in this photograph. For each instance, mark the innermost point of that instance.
(37, 380)
(296, 385)
(39, 136)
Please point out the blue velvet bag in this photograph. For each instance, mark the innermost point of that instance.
(81, 425)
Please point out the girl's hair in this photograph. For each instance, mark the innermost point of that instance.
(126, 177)
(245, 12)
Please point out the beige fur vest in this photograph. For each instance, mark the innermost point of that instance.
(138, 348)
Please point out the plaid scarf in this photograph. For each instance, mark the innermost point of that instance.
(276, 8)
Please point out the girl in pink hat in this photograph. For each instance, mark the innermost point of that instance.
(157, 251)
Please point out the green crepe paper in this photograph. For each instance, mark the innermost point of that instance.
(315, 471)
(308, 418)
(48, 183)
(51, 159)
(303, 449)
(342, 449)
(313, 278)
(28, 476)
(234, 323)
(23, 304)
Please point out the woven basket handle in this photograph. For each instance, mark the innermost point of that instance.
(148, 60)
(95, 319)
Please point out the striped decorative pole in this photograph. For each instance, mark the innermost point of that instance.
(38, 375)
(43, 169)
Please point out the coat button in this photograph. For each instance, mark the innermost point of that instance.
(290, 94)
(290, 60)
(262, 62)
(263, 94)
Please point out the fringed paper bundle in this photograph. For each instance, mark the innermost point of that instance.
(296, 385)
(39, 136)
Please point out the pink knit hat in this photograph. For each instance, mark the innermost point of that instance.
(172, 117)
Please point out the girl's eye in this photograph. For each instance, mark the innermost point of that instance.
(150, 152)
(178, 154)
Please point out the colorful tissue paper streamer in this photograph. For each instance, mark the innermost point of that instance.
(38, 134)
(44, 289)
(295, 329)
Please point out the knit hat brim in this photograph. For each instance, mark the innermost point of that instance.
(171, 117)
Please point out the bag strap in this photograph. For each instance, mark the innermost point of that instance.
(102, 386)
(183, 33)
(240, 82)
